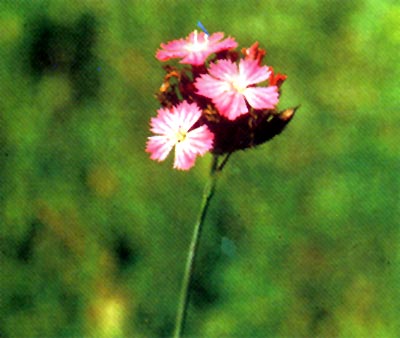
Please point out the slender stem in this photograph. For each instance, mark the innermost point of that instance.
(222, 165)
(188, 274)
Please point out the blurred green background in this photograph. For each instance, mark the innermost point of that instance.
(302, 238)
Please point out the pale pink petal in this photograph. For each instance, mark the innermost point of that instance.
(238, 107)
(164, 122)
(195, 59)
(188, 114)
(215, 37)
(251, 73)
(211, 87)
(174, 45)
(184, 159)
(223, 70)
(228, 43)
(262, 97)
(159, 147)
(171, 50)
(231, 105)
(164, 55)
(200, 139)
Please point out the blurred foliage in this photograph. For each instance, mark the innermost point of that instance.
(302, 238)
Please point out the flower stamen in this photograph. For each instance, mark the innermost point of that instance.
(180, 135)
(196, 45)
(237, 86)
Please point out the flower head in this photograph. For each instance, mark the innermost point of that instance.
(195, 49)
(174, 129)
(230, 86)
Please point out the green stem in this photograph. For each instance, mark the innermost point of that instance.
(184, 296)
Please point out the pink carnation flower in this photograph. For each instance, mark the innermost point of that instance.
(174, 129)
(230, 86)
(195, 49)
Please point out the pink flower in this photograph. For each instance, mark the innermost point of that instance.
(230, 86)
(195, 49)
(174, 129)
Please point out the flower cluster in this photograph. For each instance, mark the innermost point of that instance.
(220, 101)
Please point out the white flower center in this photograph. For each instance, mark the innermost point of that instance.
(197, 46)
(180, 135)
(238, 85)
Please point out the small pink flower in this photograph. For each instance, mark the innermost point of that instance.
(230, 87)
(195, 49)
(173, 127)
